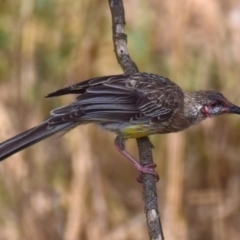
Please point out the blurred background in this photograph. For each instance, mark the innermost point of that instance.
(78, 186)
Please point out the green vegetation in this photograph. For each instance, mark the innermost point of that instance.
(78, 186)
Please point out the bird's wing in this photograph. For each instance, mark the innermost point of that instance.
(159, 100)
(120, 98)
(101, 99)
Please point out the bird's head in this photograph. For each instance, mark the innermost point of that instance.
(214, 104)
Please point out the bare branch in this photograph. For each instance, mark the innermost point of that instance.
(150, 191)
(144, 145)
(120, 38)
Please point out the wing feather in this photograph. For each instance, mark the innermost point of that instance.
(138, 98)
(82, 87)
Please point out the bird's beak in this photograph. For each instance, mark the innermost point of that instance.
(234, 109)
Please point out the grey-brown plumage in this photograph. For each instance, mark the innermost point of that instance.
(132, 106)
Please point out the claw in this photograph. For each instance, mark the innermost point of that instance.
(148, 169)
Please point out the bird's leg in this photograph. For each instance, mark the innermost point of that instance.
(120, 145)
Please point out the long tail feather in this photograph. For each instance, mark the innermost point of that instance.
(30, 137)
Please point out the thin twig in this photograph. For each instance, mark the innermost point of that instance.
(120, 38)
(144, 145)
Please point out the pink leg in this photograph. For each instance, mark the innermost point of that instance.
(149, 169)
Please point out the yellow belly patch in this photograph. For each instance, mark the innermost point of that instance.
(136, 131)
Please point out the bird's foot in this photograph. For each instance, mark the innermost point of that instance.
(146, 169)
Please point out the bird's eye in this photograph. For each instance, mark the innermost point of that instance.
(214, 104)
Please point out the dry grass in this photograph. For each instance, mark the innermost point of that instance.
(78, 187)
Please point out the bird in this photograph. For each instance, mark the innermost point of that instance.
(130, 105)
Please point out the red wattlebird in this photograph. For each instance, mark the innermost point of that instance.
(132, 106)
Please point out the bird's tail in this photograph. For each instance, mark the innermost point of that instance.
(30, 137)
